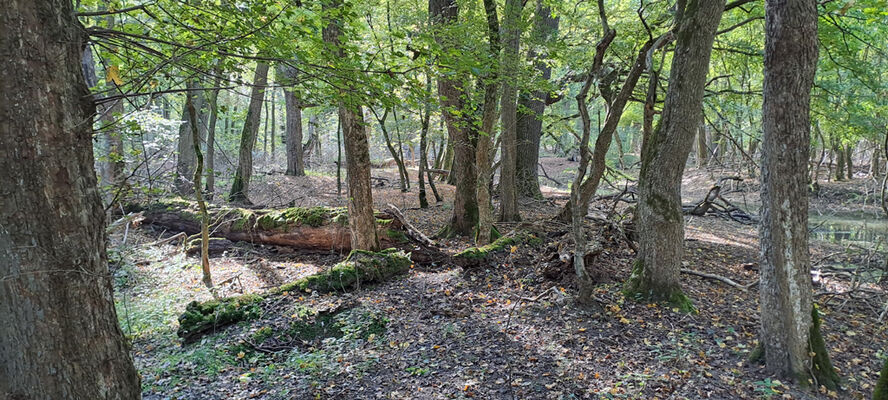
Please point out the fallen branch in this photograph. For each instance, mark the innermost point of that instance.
(412, 232)
(180, 235)
(719, 278)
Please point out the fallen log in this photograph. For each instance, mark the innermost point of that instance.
(361, 267)
(311, 228)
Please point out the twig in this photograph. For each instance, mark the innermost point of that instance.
(179, 235)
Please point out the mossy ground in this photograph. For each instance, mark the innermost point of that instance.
(881, 391)
(500, 244)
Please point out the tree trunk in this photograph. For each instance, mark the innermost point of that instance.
(240, 188)
(530, 124)
(213, 105)
(790, 330)
(273, 131)
(59, 333)
(509, 113)
(295, 152)
(398, 157)
(185, 162)
(664, 154)
(357, 154)
(702, 148)
(464, 217)
(849, 164)
(483, 153)
(425, 116)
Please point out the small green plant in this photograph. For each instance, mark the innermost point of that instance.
(767, 387)
(418, 371)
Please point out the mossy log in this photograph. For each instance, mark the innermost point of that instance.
(360, 268)
(475, 255)
(312, 228)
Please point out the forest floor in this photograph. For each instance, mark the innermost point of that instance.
(506, 329)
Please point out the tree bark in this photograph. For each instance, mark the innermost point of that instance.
(655, 275)
(59, 332)
(529, 126)
(849, 163)
(509, 113)
(240, 188)
(790, 331)
(357, 154)
(464, 217)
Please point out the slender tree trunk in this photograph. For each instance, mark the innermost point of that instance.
(240, 188)
(702, 149)
(664, 154)
(509, 113)
(483, 153)
(198, 195)
(530, 124)
(213, 100)
(273, 123)
(464, 216)
(357, 154)
(790, 327)
(604, 139)
(59, 335)
(426, 114)
(840, 160)
(185, 162)
(849, 163)
(402, 171)
(401, 165)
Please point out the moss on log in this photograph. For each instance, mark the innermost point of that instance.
(313, 228)
(500, 244)
(361, 267)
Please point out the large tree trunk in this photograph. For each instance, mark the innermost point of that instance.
(240, 188)
(465, 204)
(508, 183)
(59, 335)
(664, 154)
(357, 155)
(790, 331)
(530, 124)
(185, 162)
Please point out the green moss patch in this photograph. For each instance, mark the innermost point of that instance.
(200, 318)
(822, 367)
(361, 267)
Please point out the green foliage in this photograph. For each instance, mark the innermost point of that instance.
(881, 391)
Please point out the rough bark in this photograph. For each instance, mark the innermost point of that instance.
(849, 163)
(529, 126)
(702, 148)
(357, 155)
(790, 332)
(655, 275)
(240, 188)
(59, 335)
(464, 217)
(295, 152)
